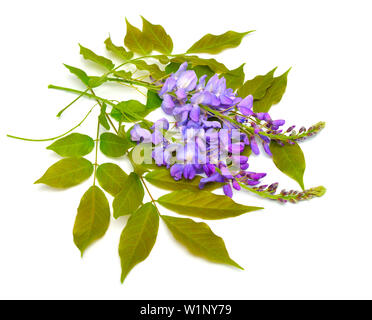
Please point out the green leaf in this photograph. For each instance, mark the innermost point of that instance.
(161, 41)
(93, 218)
(90, 55)
(162, 59)
(161, 178)
(273, 94)
(257, 86)
(79, 73)
(111, 178)
(153, 100)
(199, 239)
(216, 43)
(213, 64)
(132, 110)
(130, 198)
(203, 204)
(234, 78)
(118, 51)
(123, 74)
(96, 81)
(138, 238)
(112, 145)
(290, 160)
(153, 69)
(137, 41)
(67, 173)
(172, 67)
(73, 145)
(102, 117)
(203, 70)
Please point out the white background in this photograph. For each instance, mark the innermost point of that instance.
(317, 249)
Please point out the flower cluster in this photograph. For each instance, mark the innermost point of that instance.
(215, 129)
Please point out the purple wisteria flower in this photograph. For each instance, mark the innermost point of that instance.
(215, 152)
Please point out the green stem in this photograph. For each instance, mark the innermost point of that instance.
(70, 104)
(96, 156)
(60, 136)
(86, 94)
(149, 193)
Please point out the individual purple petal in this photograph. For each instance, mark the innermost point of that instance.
(140, 135)
(247, 102)
(278, 123)
(212, 83)
(252, 182)
(267, 117)
(246, 111)
(167, 104)
(158, 155)
(211, 124)
(181, 113)
(176, 171)
(228, 190)
(220, 87)
(226, 172)
(157, 137)
(264, 138)
(201, 83)
(181, 94)
(168, 85)
(202, 97)
(226, 100)
(195, 113)
(209, 169)
(260, 115)
(215, 102)
(267, 149)
(189, 172)
(161, 124)
(236, 185)
(215, 177)
(180, 70)
(187, 80)
(254, 146)
(244, 166)
(256, 176)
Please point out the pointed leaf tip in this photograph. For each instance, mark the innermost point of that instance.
(199, 239)
(214, 44)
